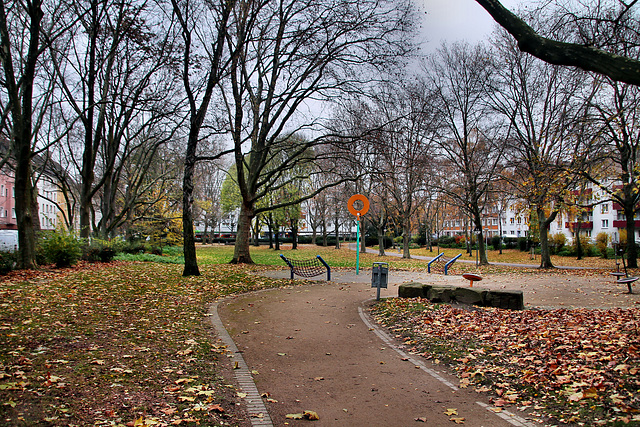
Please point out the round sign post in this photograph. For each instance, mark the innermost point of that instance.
(358, 205)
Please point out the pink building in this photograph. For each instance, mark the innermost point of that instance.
(7, 200)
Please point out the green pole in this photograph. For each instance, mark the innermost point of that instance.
(358, 247)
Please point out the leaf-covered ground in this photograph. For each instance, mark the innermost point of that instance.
(117, 344)
(129, 344)
(577, 367)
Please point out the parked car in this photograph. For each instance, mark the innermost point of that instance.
(8, 240)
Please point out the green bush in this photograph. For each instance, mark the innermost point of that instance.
(602, 241)
(588, 249)
(61, 247)
(523, 244)
(557, 242)
(134, 247)
(8, 261)
(103, 250)
(495, 242)
(510, 242)
(446, 242)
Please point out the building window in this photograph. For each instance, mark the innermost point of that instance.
(519, 220)
(13, 212)
(605, 223)
(605, 208)
(511, 220)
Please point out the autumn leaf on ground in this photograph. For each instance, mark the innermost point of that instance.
(311, 415)
(457, 420)
(295, 416)
(451, 411)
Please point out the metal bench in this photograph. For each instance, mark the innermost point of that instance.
(308, 268)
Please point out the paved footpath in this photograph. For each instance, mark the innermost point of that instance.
(314, 348)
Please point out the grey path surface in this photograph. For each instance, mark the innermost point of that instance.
(313, 348)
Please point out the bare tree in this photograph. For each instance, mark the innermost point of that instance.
(26, 30)
(300, 51)
(612, 17)
(614, 127)
(401, 152)
(469, 145)
(542, 103)
(204, 28)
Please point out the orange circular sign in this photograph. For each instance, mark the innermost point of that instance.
(362, 201)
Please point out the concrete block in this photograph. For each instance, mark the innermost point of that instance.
(441, 293)
(475, 296)
(411, 290)
(512, 300)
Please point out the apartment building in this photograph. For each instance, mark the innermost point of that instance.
(512, 220)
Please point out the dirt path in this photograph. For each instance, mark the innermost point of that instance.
(313, 350)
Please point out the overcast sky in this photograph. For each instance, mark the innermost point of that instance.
(452, 20)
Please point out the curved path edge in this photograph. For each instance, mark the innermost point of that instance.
(510, 417)
(255, 406)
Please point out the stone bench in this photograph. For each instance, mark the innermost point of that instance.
(512, 300)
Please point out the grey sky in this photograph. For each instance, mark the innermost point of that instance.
(452, 20)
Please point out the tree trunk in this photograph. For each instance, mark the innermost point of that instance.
(294, 234)
(276, 228)
(500, 233)
(632, 250)
(314, 235)
(189, 244)
(25, 212)
(256, 233)
(578, 242)
(543, 224)
(482, 249)
(381, 233)
(241, 253)
(406, 239)
(324, 233)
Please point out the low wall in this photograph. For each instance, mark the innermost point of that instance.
(512, 300)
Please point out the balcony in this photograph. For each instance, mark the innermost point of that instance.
(586, 225)
(623, 224)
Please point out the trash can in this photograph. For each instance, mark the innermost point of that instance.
(379, 277)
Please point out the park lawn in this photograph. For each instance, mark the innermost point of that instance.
(515, 256)
(116, 344)
(129, 343)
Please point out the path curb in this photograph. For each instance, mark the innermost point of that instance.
(255, 406)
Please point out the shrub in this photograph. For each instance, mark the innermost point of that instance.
(460, 241)
(103, 250)
(557, 242)
(495, 242)
(522, 244)
(8, 261)
(372, 241)
(61, 247)
(134, 247)
(588, 249)
(446, 241)
(602, 241)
